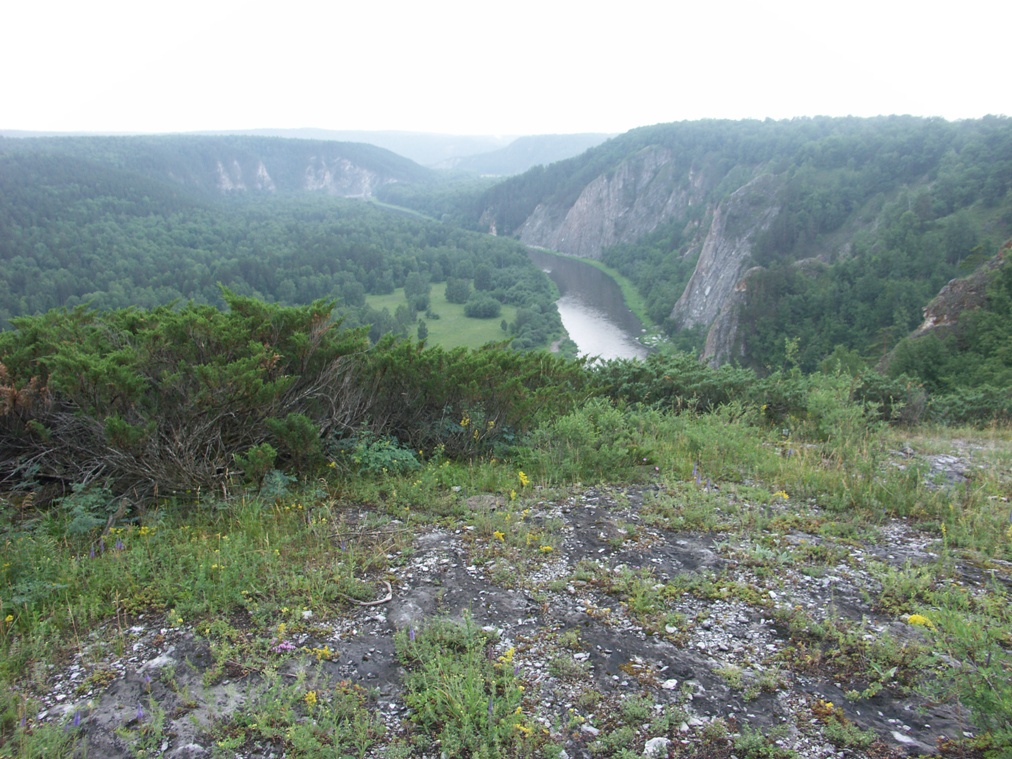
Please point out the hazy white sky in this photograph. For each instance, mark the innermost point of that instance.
(517, 67)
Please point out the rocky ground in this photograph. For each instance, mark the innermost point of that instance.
(709, 626)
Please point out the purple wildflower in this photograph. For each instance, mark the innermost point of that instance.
(91, 553)
(119, 544)
(140, 712)
(101, 545)
(77, 719)
(516, 670)
(411, 634)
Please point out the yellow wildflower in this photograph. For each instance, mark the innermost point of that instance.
(921, 620)
(310, 699)
(524, 479)
(546, 549)
(499, 535)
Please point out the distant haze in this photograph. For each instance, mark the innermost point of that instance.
(466, 68)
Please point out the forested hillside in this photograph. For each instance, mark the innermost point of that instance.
(231, 163)
(833, 232)
(74, 230)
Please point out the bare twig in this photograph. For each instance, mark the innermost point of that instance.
(387, 597)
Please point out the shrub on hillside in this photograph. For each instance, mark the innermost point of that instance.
(482, 307)
(164, 400)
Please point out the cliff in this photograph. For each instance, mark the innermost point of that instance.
(726, 252)
(618, 206)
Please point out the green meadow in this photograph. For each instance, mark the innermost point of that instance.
(452, 329)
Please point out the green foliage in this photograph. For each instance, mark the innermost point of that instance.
(468, 402)
(369, 454)
(482, 307)
(164, 400)
(462, 694)
(592, 443)
(298, 441)
(979, 406)
(966, 366)
(257, 462)
(755, 744)
(458, 290)
(973, 653)
(87, 509)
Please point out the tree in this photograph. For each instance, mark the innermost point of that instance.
(483, 278)
(482, 307)
(458, 290)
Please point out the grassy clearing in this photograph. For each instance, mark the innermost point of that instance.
(452, 329)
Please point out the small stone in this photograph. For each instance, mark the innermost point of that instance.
(901, 738)
(589, 729)
(656, 747)
(670, 684)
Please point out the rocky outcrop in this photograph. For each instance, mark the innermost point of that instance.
(233, 179)
(619, 206)
(725, 256)
(954, 301)
(723, 341)
(958, 297)
(341, 177)
(333, 175)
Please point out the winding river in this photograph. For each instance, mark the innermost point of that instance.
(592, 308)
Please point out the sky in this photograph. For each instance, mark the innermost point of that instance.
(493, 67)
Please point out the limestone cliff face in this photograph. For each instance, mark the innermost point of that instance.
(341, 177)
(726, 252)
(235, 179)
(620, 206)
(720, 281)
(332, 175)
(723, 341)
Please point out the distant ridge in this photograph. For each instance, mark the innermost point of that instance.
(496, 155)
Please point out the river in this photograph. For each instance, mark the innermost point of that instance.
(592, 308)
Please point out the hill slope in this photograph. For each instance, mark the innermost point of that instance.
(238, 163)
(760, 215)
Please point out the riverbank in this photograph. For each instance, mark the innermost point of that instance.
(594, 306)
